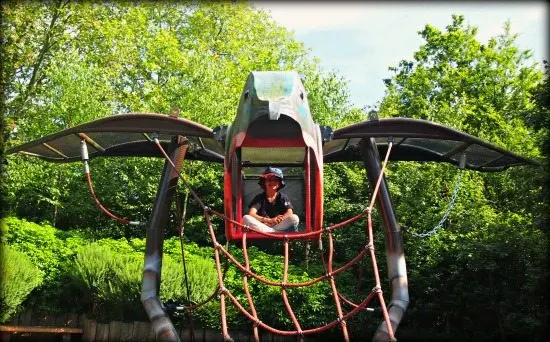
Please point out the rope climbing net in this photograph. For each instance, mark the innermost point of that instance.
(284, 284)
(329, 271)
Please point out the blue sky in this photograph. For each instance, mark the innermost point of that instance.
(360, 40)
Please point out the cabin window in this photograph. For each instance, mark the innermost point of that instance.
(273, 155)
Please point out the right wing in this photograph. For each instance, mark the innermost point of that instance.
(420, 140)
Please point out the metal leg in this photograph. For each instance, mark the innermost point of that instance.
(163, 327)
(395, 255)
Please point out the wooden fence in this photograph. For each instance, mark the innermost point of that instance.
(26, 327)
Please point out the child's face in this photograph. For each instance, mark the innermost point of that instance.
(272, 183)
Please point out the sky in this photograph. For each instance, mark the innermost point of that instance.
(360, 40)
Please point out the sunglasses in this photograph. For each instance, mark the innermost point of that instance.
(272, 180)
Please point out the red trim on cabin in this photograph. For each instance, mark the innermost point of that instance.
(318, 217)
(312, 219)
(238, 140)
(307, 192)
(239, 195)
(227, 200)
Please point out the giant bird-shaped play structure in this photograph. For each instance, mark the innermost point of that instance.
(274, 126)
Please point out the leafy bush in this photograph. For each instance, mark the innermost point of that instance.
(106, 277)
(51, 250)
(111, 281)
(47, 247)
(201, 275)
(18, 277)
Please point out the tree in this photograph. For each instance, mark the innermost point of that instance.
(484, 90)
(106, 58)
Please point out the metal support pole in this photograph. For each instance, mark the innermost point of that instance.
(395, 255)
(161, 323)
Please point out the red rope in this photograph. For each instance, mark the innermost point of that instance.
(341, 320)
(220, 278)
(84, 154)
(246, 290)
(349, 302)
(98, 203)
(294, 236)
(378, 287)
(317, 330)
(350, 263)
(298, 332)
(334, 290)
(283, 289)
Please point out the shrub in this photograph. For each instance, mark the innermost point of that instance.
(201, 275)
(106, 277)
(18, 277)
(110, 282)
(52, 251)
(47, 247)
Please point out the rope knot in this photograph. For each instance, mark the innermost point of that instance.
(377, 289)
(341, 321)
(206, 209)
(369, 246)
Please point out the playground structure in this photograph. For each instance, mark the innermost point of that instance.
(273, 126)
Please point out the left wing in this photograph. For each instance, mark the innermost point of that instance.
(125, 135)
(420, 140)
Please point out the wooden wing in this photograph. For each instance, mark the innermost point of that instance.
(419, 140)
(125, 135)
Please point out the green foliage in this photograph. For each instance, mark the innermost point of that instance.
(109, 274)
(511, 290)
(201, 272)
(485, 266)
(110, 282)
(106, 277)
(482, 276)
(539, 118)
(32, 200)
(18, 277)
(484, 90)
(48, 248)
(52, 251)
(136, 57)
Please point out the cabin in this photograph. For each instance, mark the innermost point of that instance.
(273, 127)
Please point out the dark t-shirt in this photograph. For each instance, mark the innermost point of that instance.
(280, 206)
